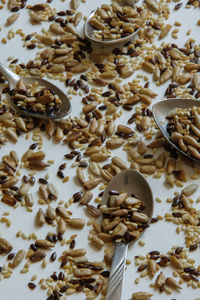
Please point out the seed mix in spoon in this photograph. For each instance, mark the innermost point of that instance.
(112, 22)
(35, 98)
(184, 129)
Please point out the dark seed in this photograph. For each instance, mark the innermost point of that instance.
(33, 146)
(60, 174)
(72, 244)
(14, 9)
(28, 37)
(62, 167)
(42, 180)
(61, 276)
(193, 247)
(53, 256)
(77, 196)
(178, 250)
(162, 288)
(54, 276)
(177, 215)
(64, 288)
(83, 165)
(142, 268)
(105, 274)
(33, 247)
(31, 285)
(32, 180)
(31, 46)
(177, 6)
(25, 179)
(11, 256)
(112, 192)
(154, 253)
(69, 155)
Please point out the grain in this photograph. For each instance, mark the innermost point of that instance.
(5, 246)
(18, 258)
(141, 296)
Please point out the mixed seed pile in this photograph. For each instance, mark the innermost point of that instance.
(35, 98)
(184, 129)
(123, 217)
(113, 21)
(91, 141)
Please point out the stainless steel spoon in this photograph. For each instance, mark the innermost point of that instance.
(163, 108)
(129, 181)
(65, 106)
(88, 29)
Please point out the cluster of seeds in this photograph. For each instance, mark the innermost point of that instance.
(184, 129)
(114, 21)
(35, 98)
(123, 217)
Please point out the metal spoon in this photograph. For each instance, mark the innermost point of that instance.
(65, 106)
(163, 108)
(88, 29)
(129, 181)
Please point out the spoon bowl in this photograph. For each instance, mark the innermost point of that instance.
(131, 182)
(160, 111)
(88, 29)
(13, 79)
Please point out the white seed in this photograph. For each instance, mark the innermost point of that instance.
(77, 223)
(119, 162)
(190, 189)
(96, 242)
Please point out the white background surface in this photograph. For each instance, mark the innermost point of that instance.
(161, 236)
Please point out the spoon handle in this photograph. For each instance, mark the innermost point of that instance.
(10, 76)
(115, 284)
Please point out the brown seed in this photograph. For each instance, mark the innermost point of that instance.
(160, 280)
(96, 242)
(83, 272)
(62, 212)
(37, 256)
(31, 285)
(119, 162)
(171, 165)
(61, 226)
(86, 198)
(172, 283)
(44, 244)
(142, 267)
(190, 189)
(91, 184)
(76, 223)
(40, 218)
(152, 267)
(175, 262)
(75, 252)
(93, 211)
(5, 246)
(37, 165)
(193, 247)
(8, 200)
(18, 258)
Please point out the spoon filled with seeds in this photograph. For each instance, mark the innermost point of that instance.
(179, 121)
(36, 97)
(127, 208)
(111, 24)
